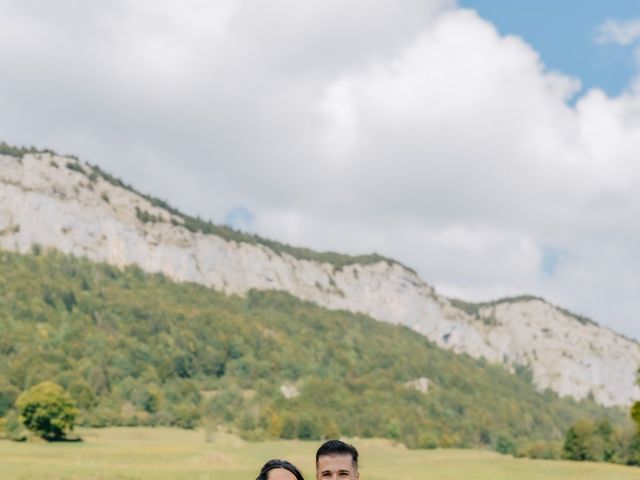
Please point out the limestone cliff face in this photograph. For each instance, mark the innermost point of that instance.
(60, 203)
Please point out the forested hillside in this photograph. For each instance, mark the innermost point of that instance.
(68, 205)
(137, 349)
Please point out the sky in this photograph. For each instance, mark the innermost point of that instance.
(565, 34)
(490, 145)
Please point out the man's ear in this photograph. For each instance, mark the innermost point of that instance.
(358, 475)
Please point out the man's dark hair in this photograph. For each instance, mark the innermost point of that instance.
(277, 463)
(337, 447)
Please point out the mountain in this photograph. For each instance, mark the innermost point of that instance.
(135, 348)
(62, 203)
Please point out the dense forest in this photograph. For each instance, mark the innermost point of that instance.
(138, 349)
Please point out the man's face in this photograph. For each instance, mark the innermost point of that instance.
(336, 467)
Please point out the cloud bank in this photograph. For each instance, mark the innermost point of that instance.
(621, 33)
(412, 128)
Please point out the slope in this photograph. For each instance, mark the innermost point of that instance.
(139, 349)
(62, 203)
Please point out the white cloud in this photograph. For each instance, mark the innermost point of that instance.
(621, 33)
(409, 128)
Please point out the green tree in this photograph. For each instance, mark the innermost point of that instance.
(635, 414)
(583, 442)
(83, 394)
(308, 428)
(8, 395)
(47, 410)
(505, 444)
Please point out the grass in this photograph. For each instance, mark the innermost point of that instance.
(165, 453)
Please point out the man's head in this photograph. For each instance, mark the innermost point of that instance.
(336, 460)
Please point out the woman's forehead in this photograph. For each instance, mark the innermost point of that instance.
(280, 474)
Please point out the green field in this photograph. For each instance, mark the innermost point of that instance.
(164, 453)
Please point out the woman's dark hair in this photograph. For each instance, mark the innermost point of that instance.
(276, 463)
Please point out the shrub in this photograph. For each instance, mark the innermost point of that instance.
(541, 451)
(505, 444)
(75, 167)
(11, 427)
(427, 440)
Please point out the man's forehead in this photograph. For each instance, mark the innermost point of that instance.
(336, 460)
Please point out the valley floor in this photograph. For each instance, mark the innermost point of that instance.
(165, 453)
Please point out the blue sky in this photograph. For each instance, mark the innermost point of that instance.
(563, 32)
(239, 218)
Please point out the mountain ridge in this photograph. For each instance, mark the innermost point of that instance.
(64, 203)
(195, 224)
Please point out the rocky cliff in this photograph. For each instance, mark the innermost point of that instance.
(62, 203)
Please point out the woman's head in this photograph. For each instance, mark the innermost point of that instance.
(279, 470)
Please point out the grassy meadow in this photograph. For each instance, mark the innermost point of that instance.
(166, 453)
